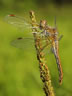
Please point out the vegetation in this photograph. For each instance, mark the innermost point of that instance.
(19, 73)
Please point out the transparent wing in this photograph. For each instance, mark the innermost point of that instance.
(17, 21)
(29, 44)
(23, 43)
(48, 48)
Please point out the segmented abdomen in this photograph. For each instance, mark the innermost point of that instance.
(56, 54)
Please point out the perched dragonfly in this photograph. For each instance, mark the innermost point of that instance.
(48, 33)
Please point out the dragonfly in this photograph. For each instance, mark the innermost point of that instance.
(48, 34)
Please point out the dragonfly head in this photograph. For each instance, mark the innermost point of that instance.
(43, 24)
(55, 32)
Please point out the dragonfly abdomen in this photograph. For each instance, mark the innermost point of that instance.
(56, 54)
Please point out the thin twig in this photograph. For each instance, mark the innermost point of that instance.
(44, 71)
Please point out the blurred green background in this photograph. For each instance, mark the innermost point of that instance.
(19, 69)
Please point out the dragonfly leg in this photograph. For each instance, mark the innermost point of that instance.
(60, 37)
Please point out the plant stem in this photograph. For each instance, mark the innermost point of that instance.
(44, 71)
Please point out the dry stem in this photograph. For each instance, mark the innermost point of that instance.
(44, 71)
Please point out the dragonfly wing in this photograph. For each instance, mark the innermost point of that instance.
(47, 48)
(27, 43)
(18, 21)
(23, 43)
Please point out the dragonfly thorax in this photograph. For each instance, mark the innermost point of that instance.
(43, 24)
